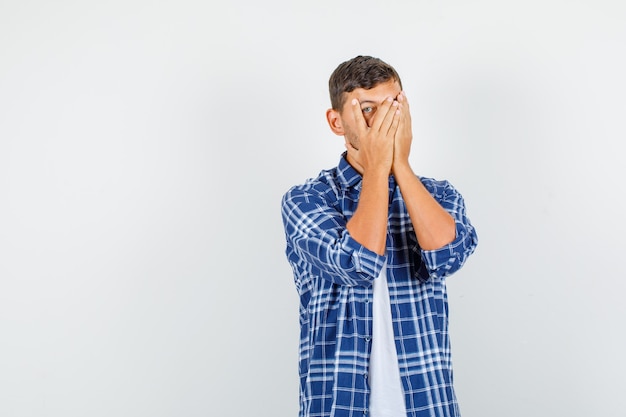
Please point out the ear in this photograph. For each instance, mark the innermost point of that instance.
(334, 121)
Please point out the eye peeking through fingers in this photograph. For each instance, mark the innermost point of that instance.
(368, 114)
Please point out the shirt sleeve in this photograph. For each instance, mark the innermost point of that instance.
(319, 243)
(451, 257)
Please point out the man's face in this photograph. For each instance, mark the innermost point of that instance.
(370, 100)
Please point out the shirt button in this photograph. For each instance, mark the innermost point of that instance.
(367, 338)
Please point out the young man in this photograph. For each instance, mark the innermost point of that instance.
(371, 244)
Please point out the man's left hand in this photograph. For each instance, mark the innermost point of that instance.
(404, 134)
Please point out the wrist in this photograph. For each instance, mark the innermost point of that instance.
(402, 168)
(376, 174)
(379, 169)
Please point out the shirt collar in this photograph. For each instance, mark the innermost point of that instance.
(350, 177)
(347, 175)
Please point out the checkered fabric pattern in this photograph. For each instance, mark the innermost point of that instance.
(333, 275)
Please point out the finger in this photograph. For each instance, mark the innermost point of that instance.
(382, 113)
(353, 153)
(401, 120)
(404, 104)
(349, 146)
(402, 98)
(361, 124)
(395, 122)
(392, 114)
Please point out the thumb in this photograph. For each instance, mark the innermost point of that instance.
(352, 151)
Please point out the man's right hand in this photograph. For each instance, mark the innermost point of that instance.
(372, 149)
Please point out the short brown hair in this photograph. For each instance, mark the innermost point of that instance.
(359, 72)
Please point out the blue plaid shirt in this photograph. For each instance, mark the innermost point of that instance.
(333, 274)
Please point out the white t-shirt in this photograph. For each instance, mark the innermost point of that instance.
(387, 394)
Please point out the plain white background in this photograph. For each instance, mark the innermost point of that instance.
(145, 146)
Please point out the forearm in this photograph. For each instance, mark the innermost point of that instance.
(318, 242)
(368, 224)
(434, 227)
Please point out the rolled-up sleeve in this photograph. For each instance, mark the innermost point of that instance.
(318, 242)
(451, 257)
